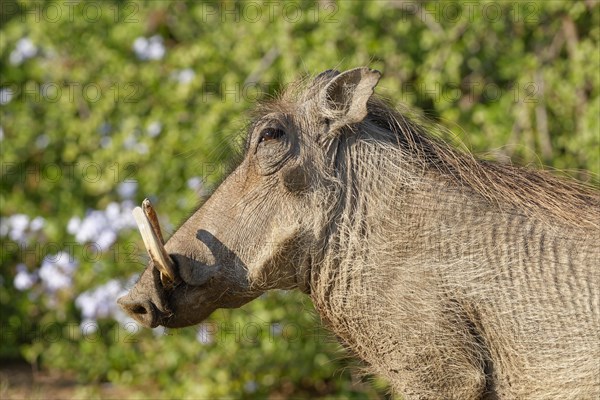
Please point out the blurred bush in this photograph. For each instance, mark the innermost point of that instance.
(105, 103)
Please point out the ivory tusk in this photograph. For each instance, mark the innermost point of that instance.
(154, 244)
(153, 218)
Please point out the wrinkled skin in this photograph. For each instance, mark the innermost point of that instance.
(258, 231)
(450, 277)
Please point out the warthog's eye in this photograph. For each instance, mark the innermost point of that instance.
(270, 134)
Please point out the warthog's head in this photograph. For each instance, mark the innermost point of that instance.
(265, 225)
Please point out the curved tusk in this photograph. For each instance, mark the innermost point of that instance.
(150, 231)
(153, 218)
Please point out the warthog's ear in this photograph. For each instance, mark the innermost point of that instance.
(327, 76)
(344, 99)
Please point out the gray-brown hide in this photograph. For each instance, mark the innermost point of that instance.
(453, 278)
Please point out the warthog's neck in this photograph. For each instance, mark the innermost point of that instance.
(412, 259)
(375, 183)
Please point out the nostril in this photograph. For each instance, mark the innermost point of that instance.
(143, 311)
(139, 309)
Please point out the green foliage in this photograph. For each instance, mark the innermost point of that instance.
(86, 110)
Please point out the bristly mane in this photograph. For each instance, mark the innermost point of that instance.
(537, 193)
(534, 192)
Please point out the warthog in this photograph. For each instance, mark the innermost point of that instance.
(452, 277)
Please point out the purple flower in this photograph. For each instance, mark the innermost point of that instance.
(6, 95)
(42, 141)
(184, 76)
(88, 326)
(56, 271)
(37, 224)
(101, 227)
(24, 50)
(18, 226)
(276, 328)
(100, 302)
(204, 334)
(24, 280)
(250, 386)
(73, 225)
(149, 49)
(195, 183)
(127, 189)
(154, 129)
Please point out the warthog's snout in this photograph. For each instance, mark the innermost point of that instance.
(146, 303)
(186, 279)
(142, 311)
